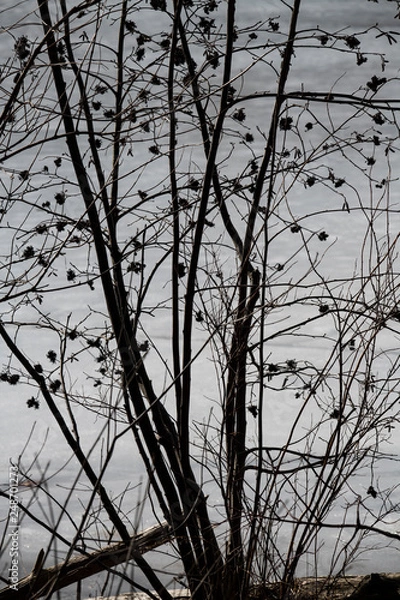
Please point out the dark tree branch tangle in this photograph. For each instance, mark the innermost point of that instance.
(199, 293)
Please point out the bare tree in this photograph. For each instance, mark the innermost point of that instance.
(204, 244)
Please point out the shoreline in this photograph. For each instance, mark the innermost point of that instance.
(351, 587)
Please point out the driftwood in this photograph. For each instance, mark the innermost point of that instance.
(353, 587)
(384, 586)
(40, 581)
(182, 594)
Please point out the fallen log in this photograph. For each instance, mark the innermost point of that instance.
(383, 586)
(40, 581)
